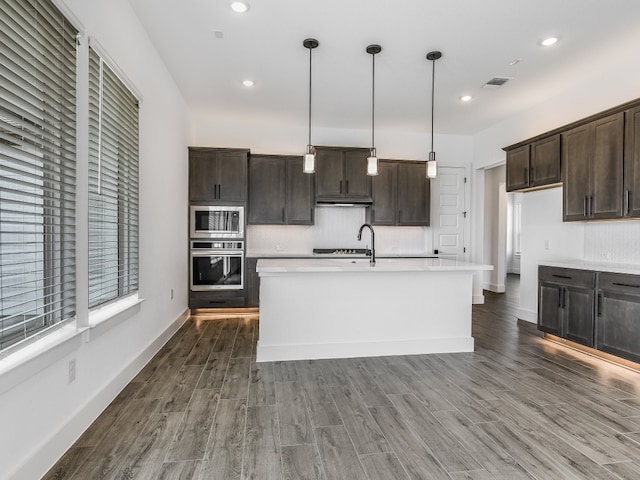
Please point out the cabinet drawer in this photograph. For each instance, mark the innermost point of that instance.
(620, 283)
(234, 299)
(567, 276)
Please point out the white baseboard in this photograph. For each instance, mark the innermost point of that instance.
(271, 353)
(477, 299)
(51, 449)
(527, 315)
(495, 288)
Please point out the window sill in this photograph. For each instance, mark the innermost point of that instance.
(104, 318)
(25, 362)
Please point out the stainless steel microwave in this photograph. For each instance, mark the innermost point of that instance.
(217, 221)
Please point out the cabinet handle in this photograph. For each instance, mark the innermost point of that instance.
(560, 297)
(561, 276)
(219, 191)
(584, 206)
(525, 176)
(599, 300)
(282, 214)
(627, 202)
(591, 205)
(531, 177)
(564, 298)
(340, 186)
(347, 189)
(626, 285)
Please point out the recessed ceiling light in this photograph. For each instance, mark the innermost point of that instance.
(547, 42)
(239, 7)
(248, 83)
(466, 98)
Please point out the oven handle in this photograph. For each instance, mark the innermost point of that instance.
(224, 253)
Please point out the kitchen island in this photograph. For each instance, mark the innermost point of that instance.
(337, 308)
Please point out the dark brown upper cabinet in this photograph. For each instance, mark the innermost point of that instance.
(217, 175)
(592, 157)
(631, 206)
(401, 194)
(341, 175)
(534, 165)
(280, 193)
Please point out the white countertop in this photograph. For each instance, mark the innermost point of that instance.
(319, 265)
(596, 266)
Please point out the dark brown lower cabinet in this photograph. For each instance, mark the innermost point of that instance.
(566, 303)
(618, 319)
(217, 299)
(252, 282)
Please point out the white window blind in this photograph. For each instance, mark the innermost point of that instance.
(113, 185)
(37, 168)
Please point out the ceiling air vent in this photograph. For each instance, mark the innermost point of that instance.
(496, 82)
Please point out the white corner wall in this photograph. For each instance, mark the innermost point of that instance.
(42, 415)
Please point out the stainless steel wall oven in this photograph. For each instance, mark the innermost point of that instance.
(216, 265)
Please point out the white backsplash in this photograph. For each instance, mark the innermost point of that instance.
(615, 242)
(335, 227)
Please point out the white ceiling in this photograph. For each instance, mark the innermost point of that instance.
(478, 39)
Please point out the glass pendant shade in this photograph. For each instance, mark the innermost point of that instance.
(432, 166)
(309, 165)
(372, 163)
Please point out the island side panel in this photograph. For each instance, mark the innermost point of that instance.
(353, 314)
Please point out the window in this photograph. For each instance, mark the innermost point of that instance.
(517, 229)
(113, 185)
(37, 168)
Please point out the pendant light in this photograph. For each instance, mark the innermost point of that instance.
(310, 157)
(372, 160)
(432, 166)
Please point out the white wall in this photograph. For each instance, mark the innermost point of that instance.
(545, 237)
(495, 228)
(513, 259)
(43, 414)
(614, 81)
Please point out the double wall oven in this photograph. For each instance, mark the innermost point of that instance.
(216, 248)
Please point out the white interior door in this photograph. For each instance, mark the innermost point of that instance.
(450, 215)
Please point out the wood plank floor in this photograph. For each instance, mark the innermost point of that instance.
(518, 407)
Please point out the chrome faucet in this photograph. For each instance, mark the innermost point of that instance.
(373, 242)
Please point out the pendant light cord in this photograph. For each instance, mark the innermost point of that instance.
(373, 102)
(433, 80)
(309, 144)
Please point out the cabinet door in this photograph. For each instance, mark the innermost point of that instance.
(413, 194)
(577, 147)
(632, 163)
(329, 173)
(202, 176)
(299, 198)
(253, 283)
(357, 182)
(544, 166)
(518, 168)
(618, 321)
(383, 191)
(606, 168)
(550, 308)
(232, 176)
(266, 190)
(578, 306)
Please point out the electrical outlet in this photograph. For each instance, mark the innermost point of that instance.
(72, 370)
(172, 294)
